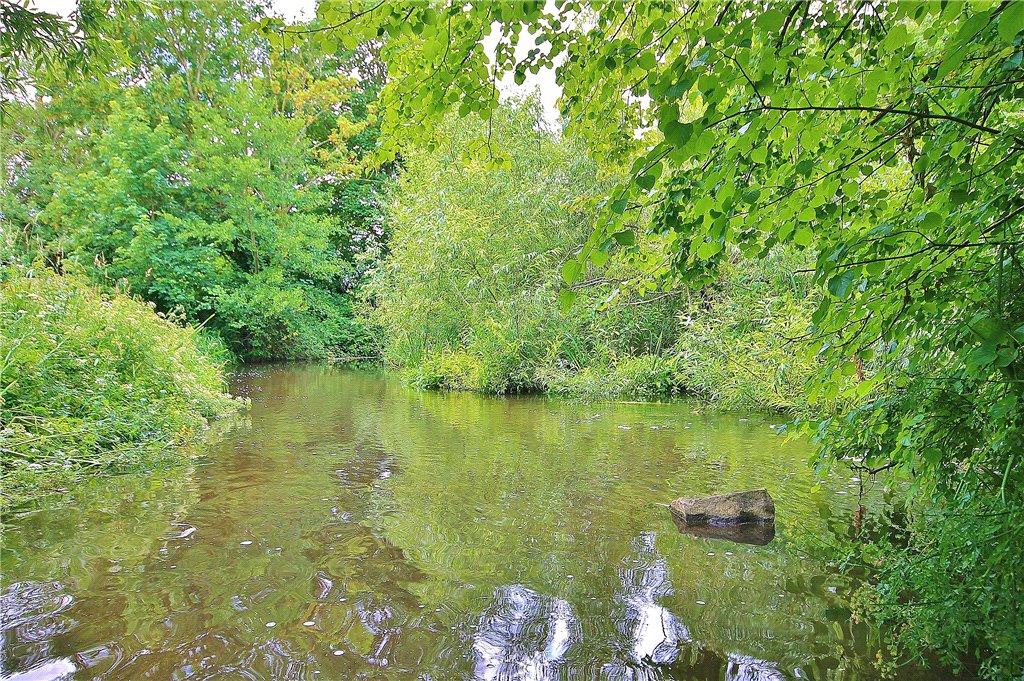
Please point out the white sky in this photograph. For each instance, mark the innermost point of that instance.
(289, 9)
(292, 10)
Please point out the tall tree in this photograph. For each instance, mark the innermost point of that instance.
(180, 175)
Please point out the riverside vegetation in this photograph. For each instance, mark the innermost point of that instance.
(96, 381)
(813, 209)
(465, 294)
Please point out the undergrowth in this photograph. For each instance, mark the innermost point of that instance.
(94, 383)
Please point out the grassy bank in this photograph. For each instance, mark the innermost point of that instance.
(95, 383)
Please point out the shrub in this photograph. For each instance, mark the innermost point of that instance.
(740, 347)
(643, 376)
(446, 371)
(95, 382)
(468, 296)
(947, 584)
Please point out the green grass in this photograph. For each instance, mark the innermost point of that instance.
(95, 383)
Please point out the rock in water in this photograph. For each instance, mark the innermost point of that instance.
(735, 508)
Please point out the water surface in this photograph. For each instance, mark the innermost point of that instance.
(350, 528)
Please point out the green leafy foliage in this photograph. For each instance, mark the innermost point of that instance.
(466, 297)
(888, 141)
(95, 382)
(742, 345)
(935, 563)
(725, 172)
(482, 246)
(198, 188)
(33, 38)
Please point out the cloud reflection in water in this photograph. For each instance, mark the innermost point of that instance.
(523, 635)
(526, 636)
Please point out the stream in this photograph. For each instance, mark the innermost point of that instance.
(348, 527)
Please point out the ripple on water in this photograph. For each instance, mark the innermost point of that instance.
(350, 528)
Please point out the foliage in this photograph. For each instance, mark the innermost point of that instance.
(94, 382)
(955, 568)
(31, 38)
(742, 341)
(641, 376)
(200, 185)
(466, 296)
(887, 138)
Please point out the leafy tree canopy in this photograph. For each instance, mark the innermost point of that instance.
(206, 171)
(31, 39)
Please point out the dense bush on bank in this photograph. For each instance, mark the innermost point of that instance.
(94, 382)
(467, 297)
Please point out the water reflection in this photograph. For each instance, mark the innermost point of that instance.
(349, 528)
(31, 615)
(523, 635)
(526, 636)
(750, 533)
(744, 668)
(651, 633)
(54, 670)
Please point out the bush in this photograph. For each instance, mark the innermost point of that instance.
(468, 296)
(235, 209)
(948, 584)
(741, 345)
(447, 371)
(95, 383)
(644, 376)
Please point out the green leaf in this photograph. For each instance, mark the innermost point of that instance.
(1006, 357)
(839, 285)
(677, 133)
(1011, 20)
(625, 237)
(984, 354)
(566, 297)
(958, 197)
(707, 249)
(931, 220)
(771, 21)
(571, 271)
(803, 237)
(645, 182)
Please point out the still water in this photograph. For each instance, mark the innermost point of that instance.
(350, 528)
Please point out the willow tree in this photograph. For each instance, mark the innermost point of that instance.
(885, 136)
